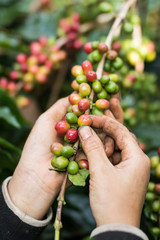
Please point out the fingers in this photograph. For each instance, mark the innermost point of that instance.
(109, 146)
(115, 108)
(94, 150)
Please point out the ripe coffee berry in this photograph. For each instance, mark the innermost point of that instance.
(62, 127)
(83, 163)
(72, 135)
(102, 47)
(75, 85)
(111, 55)
(87, 66)
(71, 118)
(83, 104)
(21, 58)
(157, 188)
(14, 75)
(56, 148)
(72, 167)
(84, 120)
(74, 98)
(88, 47)
(102, 104)
(158, 151)
(91, 76)
(77, 70)
(76, 111)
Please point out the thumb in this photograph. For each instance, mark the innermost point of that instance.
(94, 150)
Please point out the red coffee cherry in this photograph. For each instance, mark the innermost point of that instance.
(62, 127)
(84, 120)
(43, 40)
(91, 76)
(87, 66)
(102, 104)
(35, 48)
(76, 111)
(72, 135)
(83, 164)
(88, 47)
(116, 46)
(11, 86)
(158, 151)
(14, 75)
(83, 104)
(111, 55)
(74, 98)
(75, 85)
(102, 47)
(157, 188)
(4, 83)
(21, 58)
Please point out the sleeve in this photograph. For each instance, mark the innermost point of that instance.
(118, 231)
(16, 225)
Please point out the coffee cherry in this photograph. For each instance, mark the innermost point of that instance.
(81, 79)
(87, 66)
(117, 63)
(56, 148)
(88, 47)
(114, 77)
(76, 70)
(84, 120)
(142, 146)
(11, 86)
(75, 85)
(158, 151)
(111, 55)
(71, 118)
(150, 196)
(102, 47)
(84, 89)
(83, 104)
(107, 66)
(157, 171)
(154, 161)
(72, 135)
(155, 231)
(74, 98)
(35, 48)
(151, 187)
(128, 27)
(72, 167)
(116, 46)
(102, 94)
(21, 58)
(102, 104)
(90, 58)
(67, 151)
(105, 7)
(43, 40)
(62, 127)
(157, 188)
(96, 55)
(4, 83)
(53, 162)
(83, 164)
(91, 76)
(156, 206)
(105, 79)
(14, 75)
(111, 87)
(61, 162)
(95, 44)
(97, 86)
(76, 111)
(96, 111)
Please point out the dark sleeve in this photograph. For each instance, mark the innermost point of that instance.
(116, 235)
(12, 228)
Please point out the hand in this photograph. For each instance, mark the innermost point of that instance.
(33, 187)
(117, 193)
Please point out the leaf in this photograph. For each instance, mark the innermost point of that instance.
(6, 114)
(9, 146)
(77, 179)
(84, 173)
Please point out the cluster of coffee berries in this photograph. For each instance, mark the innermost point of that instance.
(69, 27)
(62, 159)
(152, 203)
(33, 68)
(91, 96)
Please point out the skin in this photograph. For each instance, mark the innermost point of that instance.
(121, 198)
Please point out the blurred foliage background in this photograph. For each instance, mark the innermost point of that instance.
(25, 21)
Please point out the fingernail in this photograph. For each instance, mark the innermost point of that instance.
(85, 132)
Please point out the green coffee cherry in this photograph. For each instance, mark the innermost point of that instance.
(157, 171)
(105, 79)
(155, 231)
(107, 66)
(111, 87)
(114, 77)
(151, 186)
(53, 162)
(154, 161)
(128, 27)
(95, 44)
(102, 94)
(81, 79)
(105, 7)
(150, 196)
(97, 86)
(90, 58)
(96, 111)
(156, 206)
(117, 63)
(67, 151)
(71, 118)
(61, 162)
(72, 167)
(96, 55)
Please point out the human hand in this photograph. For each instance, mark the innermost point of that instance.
(117, 192)
(33, 187)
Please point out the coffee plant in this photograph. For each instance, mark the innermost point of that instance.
(98, 49)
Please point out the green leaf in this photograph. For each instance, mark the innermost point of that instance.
(84, 173)
(6, 114)
(9, 146)
(77, 179)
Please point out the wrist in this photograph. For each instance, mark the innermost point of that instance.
(28, 195)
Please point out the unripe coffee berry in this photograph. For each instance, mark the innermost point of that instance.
(74, 98)
(87, 66)
(96, 111)
(128, 27)
(75, 85)
(117, 63)
(88, 47)
(102, 104)
(83, 104)
(91, 76)
(72, 167)
(76, 110)
(104, 79)
(84, 120)
(67, 151)
(156, 206)
(62, 127)
(97, 86)
(61, 162)
(83, 164)
(56, 148)
(151, 187)
(96, 55)
(102, 94)
(114, 77)
(71, 118)
(111, 55)
(77, 70)
(84, 89)
(72, 135)
(107, 66)
(157, 171)
(105, 7)
(111, 87)
(154, 161)
(81, 79)
(102, 47)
